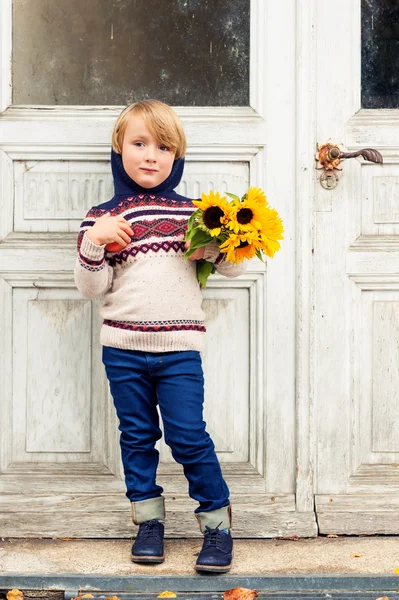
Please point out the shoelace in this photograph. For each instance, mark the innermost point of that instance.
(147, 529)
(211, 536)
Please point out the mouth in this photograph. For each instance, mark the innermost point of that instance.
(149, 170)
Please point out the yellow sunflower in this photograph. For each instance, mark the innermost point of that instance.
(256, 195)
(215, 212)
(272, 230)
(246, 215)
(240, 246)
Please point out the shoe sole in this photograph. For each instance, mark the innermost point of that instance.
(213, 569)
(148, 559)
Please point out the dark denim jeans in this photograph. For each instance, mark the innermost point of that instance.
(139, 381)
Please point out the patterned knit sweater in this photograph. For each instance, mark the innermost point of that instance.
(152, 299)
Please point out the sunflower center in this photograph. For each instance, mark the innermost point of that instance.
(212, 217)
(243, 244)
(244, 216)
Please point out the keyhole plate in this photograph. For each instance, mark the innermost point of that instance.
(329, 180)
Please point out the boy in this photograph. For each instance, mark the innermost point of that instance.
(153, 330)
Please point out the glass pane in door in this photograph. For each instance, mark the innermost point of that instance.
(380, 53)
(113, 52)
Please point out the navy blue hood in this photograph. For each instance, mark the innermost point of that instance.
(125, 186)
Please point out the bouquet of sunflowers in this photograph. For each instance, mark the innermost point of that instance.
(242, 227)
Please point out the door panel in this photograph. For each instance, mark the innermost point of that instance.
(355, 318)
(61, 471)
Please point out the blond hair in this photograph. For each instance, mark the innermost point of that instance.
(161, 120)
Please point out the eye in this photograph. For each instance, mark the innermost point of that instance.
(138, 144)
(164, 148)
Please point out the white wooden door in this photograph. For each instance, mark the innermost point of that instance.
(60, 470)
(348, 251)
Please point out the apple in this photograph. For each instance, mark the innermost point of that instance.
(114, 247)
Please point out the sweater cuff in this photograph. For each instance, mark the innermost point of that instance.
(90, 250)
(211, 252)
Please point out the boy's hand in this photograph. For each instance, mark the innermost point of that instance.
(110, 229)
(197, 254)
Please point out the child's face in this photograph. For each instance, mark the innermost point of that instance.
(144, 159)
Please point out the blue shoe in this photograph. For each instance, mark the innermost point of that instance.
(217, 551)
(148, 546)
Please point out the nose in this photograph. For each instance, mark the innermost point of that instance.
(150, 156)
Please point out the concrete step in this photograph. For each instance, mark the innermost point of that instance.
(378, 555)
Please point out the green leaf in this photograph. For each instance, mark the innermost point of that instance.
(191, 226)
(259, 255)
(200, 238)
(191, 219)
(204, 269)
(190, 233)
(188, 253)
(233, 196)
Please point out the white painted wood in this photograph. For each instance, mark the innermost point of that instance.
(354, 308)
(94, 478)
(201, 176)
(6, 191)
(368, 476)
(227, 402)
(115, 502)
(53, 195)
(358, 514)
(385, 371)
(278, 354)
(5, 53)
(58, 395)
(380, 198)
(6, 378)
(96, 134)
(305, 128)
(54, 387)
(375, 392)
(368, 125)
(53, 162)
(335, 230)
(266, 516)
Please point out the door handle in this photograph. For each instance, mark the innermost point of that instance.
(329, 158)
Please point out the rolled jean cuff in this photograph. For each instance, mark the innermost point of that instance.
(145, 510)
(221, 517)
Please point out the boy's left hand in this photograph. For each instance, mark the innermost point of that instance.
(197, 254)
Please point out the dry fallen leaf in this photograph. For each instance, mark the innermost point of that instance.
(356, 555)
(87, 596)
(15, 595)
(332, 535)
(110, 598)
(382, 598)
(167, 594)
(240, 593)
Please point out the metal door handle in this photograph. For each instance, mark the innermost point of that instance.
(329, 157)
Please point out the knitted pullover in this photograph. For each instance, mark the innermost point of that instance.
(152, 299)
